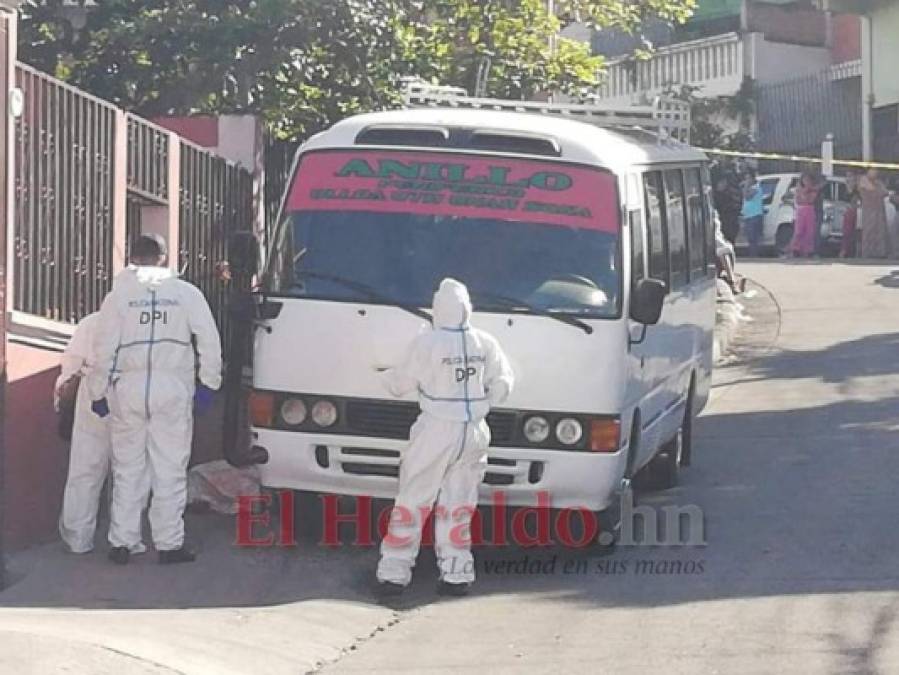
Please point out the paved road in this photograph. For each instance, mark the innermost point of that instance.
(796, 461)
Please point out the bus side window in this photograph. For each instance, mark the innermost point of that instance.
(696, 226)
(711, 243)
(656, 231)
(638, 247)
(677, 228)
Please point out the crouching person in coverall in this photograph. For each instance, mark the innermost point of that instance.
(144, 378)
(459, 372)
(91, 450)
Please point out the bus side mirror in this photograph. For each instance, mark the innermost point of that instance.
(648, 300)
(243, 253)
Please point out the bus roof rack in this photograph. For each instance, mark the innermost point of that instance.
(669, 118)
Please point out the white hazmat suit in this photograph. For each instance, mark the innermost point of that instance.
(459, 372)
(91, 449)
(146, 367)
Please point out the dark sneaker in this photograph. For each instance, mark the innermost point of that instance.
(387, 589)
(120, 555)
(453, 590)
(175, 556)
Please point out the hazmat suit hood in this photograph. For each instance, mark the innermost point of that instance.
(452, 305)
(139, 275)
(152, 276)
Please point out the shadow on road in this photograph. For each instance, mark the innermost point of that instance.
(868, 356)
(890, 280)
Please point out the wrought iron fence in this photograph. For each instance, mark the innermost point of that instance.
(148, 160)
(795, 116)
(68, 185)
(63, 231)
(279, 157)
(216, 199)
(133, 222)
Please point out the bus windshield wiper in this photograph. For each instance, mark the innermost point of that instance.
(515, 303)
(364, 289)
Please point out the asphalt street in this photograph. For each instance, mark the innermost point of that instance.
(795, 466)
(796, 463)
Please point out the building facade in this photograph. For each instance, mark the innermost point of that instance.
(880, 84)
(803, 64)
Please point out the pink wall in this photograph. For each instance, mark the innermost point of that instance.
(847, 38)
(37, 459)
(200, 129)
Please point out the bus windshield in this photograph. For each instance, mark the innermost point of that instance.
(521, 234)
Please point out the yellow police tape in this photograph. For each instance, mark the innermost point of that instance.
(797, 158)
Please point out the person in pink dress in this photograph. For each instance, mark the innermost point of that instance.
(803, 244)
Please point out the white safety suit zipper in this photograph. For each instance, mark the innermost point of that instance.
(150, 351)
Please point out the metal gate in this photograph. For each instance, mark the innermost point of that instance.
(795, 116)
(63, 231)
(279, 156)
(216, 201)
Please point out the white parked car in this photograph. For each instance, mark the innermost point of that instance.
(780, 212)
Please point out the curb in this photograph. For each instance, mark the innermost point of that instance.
(728, 318)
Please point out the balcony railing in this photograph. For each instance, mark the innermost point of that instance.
(714, 64)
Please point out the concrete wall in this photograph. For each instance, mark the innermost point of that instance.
(885, 54)
(36, 458)
(792, 24)
(776, 61)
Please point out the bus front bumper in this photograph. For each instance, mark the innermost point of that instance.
(364, 466)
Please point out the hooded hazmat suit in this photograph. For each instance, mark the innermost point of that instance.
(91, 450)
(146, 367)
(458, 372)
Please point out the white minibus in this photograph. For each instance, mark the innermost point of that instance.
(586, 238)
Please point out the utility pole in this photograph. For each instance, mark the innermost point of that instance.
(868, 100)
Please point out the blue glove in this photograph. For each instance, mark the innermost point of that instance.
(100, 408)
(203, 398)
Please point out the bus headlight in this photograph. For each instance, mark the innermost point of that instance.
(536, 429)
(569, 431)
(324, 414)
(293, 412)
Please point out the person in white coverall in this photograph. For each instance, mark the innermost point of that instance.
(145, 373)
(91, 449)
(458, 372)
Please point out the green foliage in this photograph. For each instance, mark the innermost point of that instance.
(723, 122)
(626, 15)
(303, 64)
(498, 48)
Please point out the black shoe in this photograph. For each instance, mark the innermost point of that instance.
(453, 590)
(120, 555)
(175, 556)
(387, 589)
